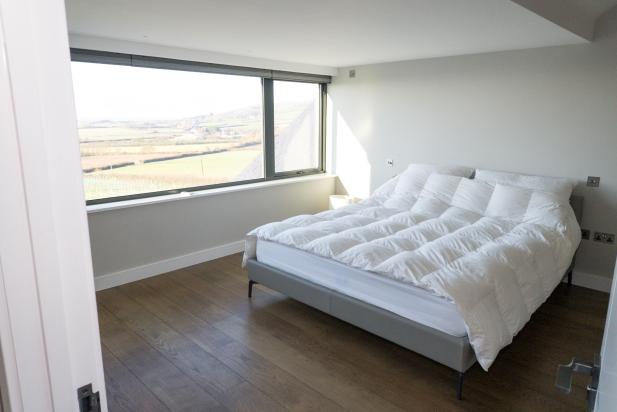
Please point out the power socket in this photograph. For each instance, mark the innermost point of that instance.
(593, 181)
(603, 237)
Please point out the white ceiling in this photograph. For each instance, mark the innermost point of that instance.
(594, 7)
(334, 33)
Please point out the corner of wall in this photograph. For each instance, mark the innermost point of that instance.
(591, 281)
(606, 25)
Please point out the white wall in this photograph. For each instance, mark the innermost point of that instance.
(549, 111)
(128, 238)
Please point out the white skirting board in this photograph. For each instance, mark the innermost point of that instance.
(591, 281)
(109, 280)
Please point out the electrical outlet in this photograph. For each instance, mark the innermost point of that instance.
(390, 162)
(585, 234)
(603, 237)
(593, 181)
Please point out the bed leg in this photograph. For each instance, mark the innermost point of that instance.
(459, 386)
(251, 283)
(569, 278)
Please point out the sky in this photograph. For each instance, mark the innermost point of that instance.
(109, 92)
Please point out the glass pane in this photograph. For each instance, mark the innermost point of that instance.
(146, 130)
(296, 126)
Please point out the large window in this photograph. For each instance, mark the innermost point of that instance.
(152, 126)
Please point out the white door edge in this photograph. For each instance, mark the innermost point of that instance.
(48, 322)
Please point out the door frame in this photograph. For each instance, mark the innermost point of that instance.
(49, 335)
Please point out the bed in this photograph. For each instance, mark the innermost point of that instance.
(441, 264)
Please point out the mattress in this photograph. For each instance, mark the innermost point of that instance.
(413, 303)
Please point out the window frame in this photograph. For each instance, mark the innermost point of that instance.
(267, 81)
(321, 134)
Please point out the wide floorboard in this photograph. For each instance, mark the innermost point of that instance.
(191, 340)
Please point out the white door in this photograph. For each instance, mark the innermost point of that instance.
(49, 337)
(606, 399)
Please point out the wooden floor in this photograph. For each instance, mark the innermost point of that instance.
(191, 340)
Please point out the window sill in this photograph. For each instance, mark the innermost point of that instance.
(105, 207)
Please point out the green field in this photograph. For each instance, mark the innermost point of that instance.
(170, 174)
(127, 157)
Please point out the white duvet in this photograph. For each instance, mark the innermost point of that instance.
(496, 251)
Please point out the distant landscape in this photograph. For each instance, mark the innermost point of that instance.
(128, 157)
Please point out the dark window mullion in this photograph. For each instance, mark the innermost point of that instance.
(268, 108)
(322, 125)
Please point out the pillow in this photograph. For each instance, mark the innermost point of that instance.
(410, 183)
(473, 195)
(524, 205)
(412, 180)
(544, 208)
(387, 188)
(460, 192)
(441, 187)
(559, 185)
(509, 202)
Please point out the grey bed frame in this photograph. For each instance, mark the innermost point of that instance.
(451, 351)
